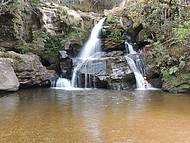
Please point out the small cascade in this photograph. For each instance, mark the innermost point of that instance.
(129, 47)
(138, 76)
(63, 82)
(136, 65)
(88, 53)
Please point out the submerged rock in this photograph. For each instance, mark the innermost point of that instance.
(8, 79)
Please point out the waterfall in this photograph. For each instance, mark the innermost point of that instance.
(89, 51)
(136, 65)
(93, 44)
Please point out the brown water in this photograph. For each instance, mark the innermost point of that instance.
(94, 116)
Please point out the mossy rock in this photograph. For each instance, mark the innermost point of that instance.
(112, 38)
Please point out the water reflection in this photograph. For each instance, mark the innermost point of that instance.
(94, 116)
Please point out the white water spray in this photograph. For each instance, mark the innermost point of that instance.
(63, 82)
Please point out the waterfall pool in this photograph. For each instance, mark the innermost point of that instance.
(94, 116)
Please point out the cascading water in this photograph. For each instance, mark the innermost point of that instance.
(136, 65)
(92, 46)
(85, 71)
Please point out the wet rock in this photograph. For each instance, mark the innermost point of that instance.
(8, 79)
(66, 64)
(91, 81)
(180, 90)
(154, 78)
(111, 68)
(120, 73)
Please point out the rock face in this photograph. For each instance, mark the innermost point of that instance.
(58, 19)
(119, 74)
(8, 79)
(28, 69)
(7, 33)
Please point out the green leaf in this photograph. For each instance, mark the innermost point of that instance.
(173, 70)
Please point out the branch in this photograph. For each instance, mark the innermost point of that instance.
(5, 3)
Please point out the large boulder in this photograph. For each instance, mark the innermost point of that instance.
(28, 69)
(8, 79)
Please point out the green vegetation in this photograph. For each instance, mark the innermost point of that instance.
(169, 27)
(113, 34)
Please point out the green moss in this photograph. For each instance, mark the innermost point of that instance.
(112, 36)
(117, 35)
(80, 36)
(18, 25)
(112, 19)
